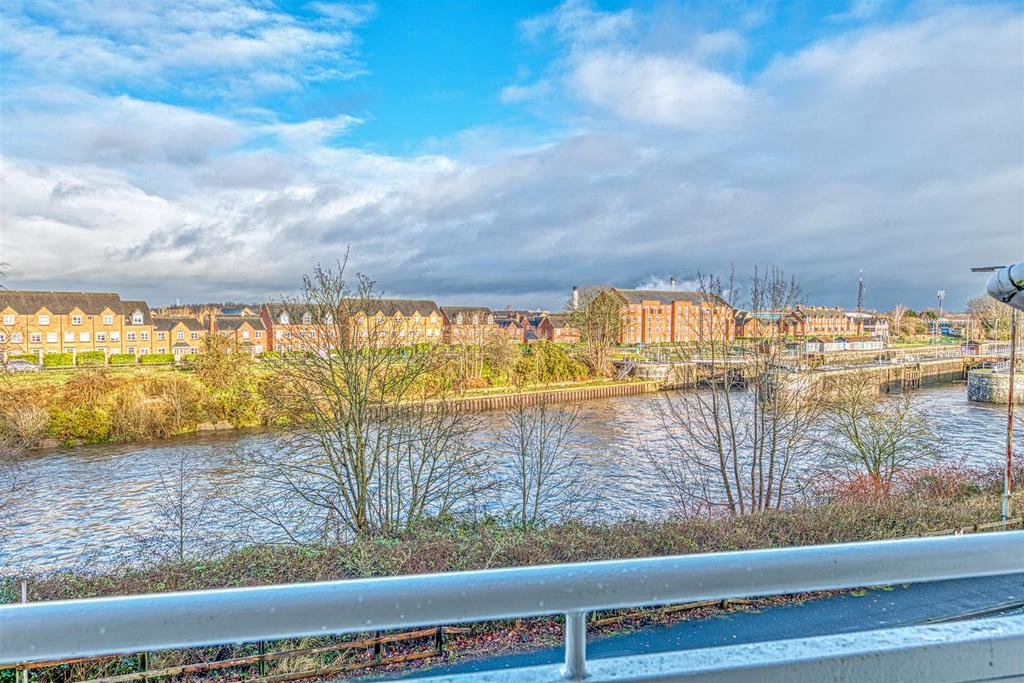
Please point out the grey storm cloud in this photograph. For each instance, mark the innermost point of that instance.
(894, 148)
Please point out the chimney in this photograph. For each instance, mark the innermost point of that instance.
(672, 282)
(575, 297)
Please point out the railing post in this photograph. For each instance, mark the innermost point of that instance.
(575, 646)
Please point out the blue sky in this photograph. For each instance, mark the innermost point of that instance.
(499, 152)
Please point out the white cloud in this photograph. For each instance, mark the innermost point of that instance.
(896, 148)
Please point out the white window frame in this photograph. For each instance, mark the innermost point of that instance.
(44, 319)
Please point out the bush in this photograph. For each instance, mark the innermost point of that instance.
(157, 358)
(59, 360)
(92, 358)
(86, 424)
(270, 354)
(122, 359)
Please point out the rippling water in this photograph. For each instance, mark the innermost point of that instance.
(86, 505)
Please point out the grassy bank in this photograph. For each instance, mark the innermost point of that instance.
(928, 502)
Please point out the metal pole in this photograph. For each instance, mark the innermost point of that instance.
(1008, 475)
(575, 646)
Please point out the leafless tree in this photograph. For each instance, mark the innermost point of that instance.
(743, 438)
(372, 441)
(896, 317)
(180, 509)
(600, 319)
(874, 436)
(993, 316)
(546, 475)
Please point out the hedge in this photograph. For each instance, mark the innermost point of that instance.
(30, 357)
(58, 360)
(92, 358)
(156, 358)
(122, 359)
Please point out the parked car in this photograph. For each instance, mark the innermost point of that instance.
(19, 365)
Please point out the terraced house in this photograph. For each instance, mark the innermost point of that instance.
(39, 322)
(397, 322)
(297, 327)
(247, 331)
(468, 324)
(656, 317)
(181, 336)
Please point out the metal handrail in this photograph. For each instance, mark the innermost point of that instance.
(91, 627)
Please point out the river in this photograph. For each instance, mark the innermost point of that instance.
(88, 506)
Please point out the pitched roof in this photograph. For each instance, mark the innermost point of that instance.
(450, 313)
(636, 296)
(141, 306)
(559, 320)
(166, 323)
(406, 307)
(61, 303)
(295, 312)
(233, 322)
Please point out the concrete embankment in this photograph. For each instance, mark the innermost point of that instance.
(988, 386)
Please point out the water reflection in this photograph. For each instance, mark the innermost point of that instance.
(84, 504)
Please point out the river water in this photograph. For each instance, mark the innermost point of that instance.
(90, 505)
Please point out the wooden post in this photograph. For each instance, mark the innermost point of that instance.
(142, 663)
(439, 640)
(262, 651)
(378, 648)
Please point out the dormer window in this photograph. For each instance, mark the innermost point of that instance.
(306, 318)
(283, 318)
(458, 318)
(137, 318)
(476, 318)
(328, 318)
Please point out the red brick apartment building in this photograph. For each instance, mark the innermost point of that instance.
(655, 316)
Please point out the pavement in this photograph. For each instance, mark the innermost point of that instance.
(876, 608)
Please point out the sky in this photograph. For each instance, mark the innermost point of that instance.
(499, 152)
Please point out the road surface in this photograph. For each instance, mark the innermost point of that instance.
(877, 608)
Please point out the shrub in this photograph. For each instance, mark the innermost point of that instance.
(157, 358)
(83, 423)
(30, 357)
(59, 360)
(25, 424)
(92, 358)
(270, 354)
(122, 359)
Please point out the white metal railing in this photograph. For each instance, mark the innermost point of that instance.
(83, 628)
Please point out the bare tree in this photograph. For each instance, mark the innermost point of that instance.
(993, 316)
(896, 317)
(372, 442)
(546, 477)
(600, 319)
(741, 440)
(180, 509)
(876, 437)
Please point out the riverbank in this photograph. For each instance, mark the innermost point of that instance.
(930, 501)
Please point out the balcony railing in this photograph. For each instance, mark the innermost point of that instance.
(93, 627)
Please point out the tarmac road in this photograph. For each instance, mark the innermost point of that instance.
(906, 605)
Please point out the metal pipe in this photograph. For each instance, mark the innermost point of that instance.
(1008, 475)
(53, 630)
(575, 646)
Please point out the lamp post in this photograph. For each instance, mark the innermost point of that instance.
(1008, 474)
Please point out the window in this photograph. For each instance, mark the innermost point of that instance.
(306, 318)
(35, 337)
(8, 320)
(101, 337)
(245, 334)
(69, 336)
(137, 318)
(328, 318)
(16, 337)
(259, 334)
(144, 351)
(283, 318)
(44, 320)
(161, 335)
(130, 336)
(145, 336)
(76, 320)
(83, 336)
(181, 334)
(161, 349)
(51, 337)
(194, 335)
(130, 349)
(108, 320)
(115, 336)
(277, 334)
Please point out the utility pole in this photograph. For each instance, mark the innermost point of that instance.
(860, 291)
(1008, 475)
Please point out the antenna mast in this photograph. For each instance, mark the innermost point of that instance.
(860, 292)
